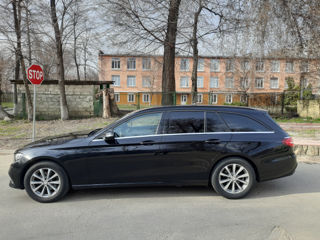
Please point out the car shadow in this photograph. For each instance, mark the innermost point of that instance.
(305, 180)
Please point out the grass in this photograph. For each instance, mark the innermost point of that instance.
(7, 104)
(297, 120)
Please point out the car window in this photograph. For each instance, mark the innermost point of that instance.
(146, 124)
(240, 123)
(185, 122)
(215, 123)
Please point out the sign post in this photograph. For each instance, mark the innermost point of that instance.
(35, 76)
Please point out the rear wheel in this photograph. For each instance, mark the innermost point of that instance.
(46, 182)
(233, 178)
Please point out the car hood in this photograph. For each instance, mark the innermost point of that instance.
(61, 139)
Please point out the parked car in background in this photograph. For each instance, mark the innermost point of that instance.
(228, 148)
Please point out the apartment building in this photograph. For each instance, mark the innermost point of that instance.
(221, 80)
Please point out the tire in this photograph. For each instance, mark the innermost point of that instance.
(233, 178)
(46, 182)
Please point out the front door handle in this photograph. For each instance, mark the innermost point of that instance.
(212, 141)
(147, 142)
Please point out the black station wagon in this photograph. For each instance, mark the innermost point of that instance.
(228, 148)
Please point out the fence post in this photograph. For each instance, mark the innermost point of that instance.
(138, 100)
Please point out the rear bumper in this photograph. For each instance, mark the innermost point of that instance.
(15, 174)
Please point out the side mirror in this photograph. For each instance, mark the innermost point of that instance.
(109, 136)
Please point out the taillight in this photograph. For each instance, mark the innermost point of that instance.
(288, 141)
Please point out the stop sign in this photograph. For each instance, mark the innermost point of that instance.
(35, 74)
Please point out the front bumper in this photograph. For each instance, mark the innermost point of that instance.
(15, 174)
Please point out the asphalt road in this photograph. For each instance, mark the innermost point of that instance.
(287, 208)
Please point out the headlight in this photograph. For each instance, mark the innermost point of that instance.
(18, 157)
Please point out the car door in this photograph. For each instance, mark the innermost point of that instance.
(132, 157)
(188, 151)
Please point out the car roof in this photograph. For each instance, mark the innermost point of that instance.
(202, 107)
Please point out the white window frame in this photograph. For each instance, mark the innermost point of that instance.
(200, 79)
(115, 63)
(259, 63)
(200, 67)
(117, 97)
(304, 66)
(134, 97)
(131, 77)
(275, 66)
(186, 61)
(182, 98)
(115, 84)
(214, 97)
(244, 82)
(184, 79)
(199, 95)
(291, 68)
(245, 65)
(229, 79)
(243, 98)
(214, 82)
(228, 98)
(130, 62)
(146, 95)
(256, 84)
(230, 63)
(146, 81)
(271, 80)
(215, 65)
(146, 64)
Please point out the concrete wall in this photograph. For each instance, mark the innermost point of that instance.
(80, 100)
(309, 108)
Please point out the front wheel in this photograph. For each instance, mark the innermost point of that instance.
(233, 178)
(46, 182)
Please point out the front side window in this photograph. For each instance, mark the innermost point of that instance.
(214, 82)
(184, 64)
(139, 126)
(274, 83)
(200, 64)
(116, 80)
(240, 123)
(200, 82)
(131, 81)
(215, 65)
(184, 82)
(146, 63)
(229, 83)
(259, 83)
(275, 66)
(131, 64)
(215, 123)
(115, 63)
(185, 122)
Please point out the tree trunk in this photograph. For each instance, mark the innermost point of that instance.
(17, 25)
(194, 88)
(60, 65)
(75, 47)
(28, 33)
(16, 77)
(168, 78)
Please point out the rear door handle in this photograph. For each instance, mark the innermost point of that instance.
(147, 142)
(212, 141)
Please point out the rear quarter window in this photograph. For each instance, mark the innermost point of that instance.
(241, 123)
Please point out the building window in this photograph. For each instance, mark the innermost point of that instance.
(229, 83)
(244, 82)
(184, 99)
(131, 64)
(215, 65)
(229, 98)
(275, 66)
(214, 82)
(116, 80)
(286, 86)
(289, 66)
(244, 65)
(184, 64)
(131, 97)
(146, 63)
(117, 97)
(115, 64)
(199, 98)
(304, 67)
(131, 81)
(184, 82)
(229, 65)
(243, 98)
(200, 82)
(200, 64)
(259, 66)
(146, 81)
(304, 82)
(274, 83)
(259, 83)
(214, 98)
(146, 98)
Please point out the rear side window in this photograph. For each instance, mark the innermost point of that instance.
(215, 123)
(185, 122)
(240, 123)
